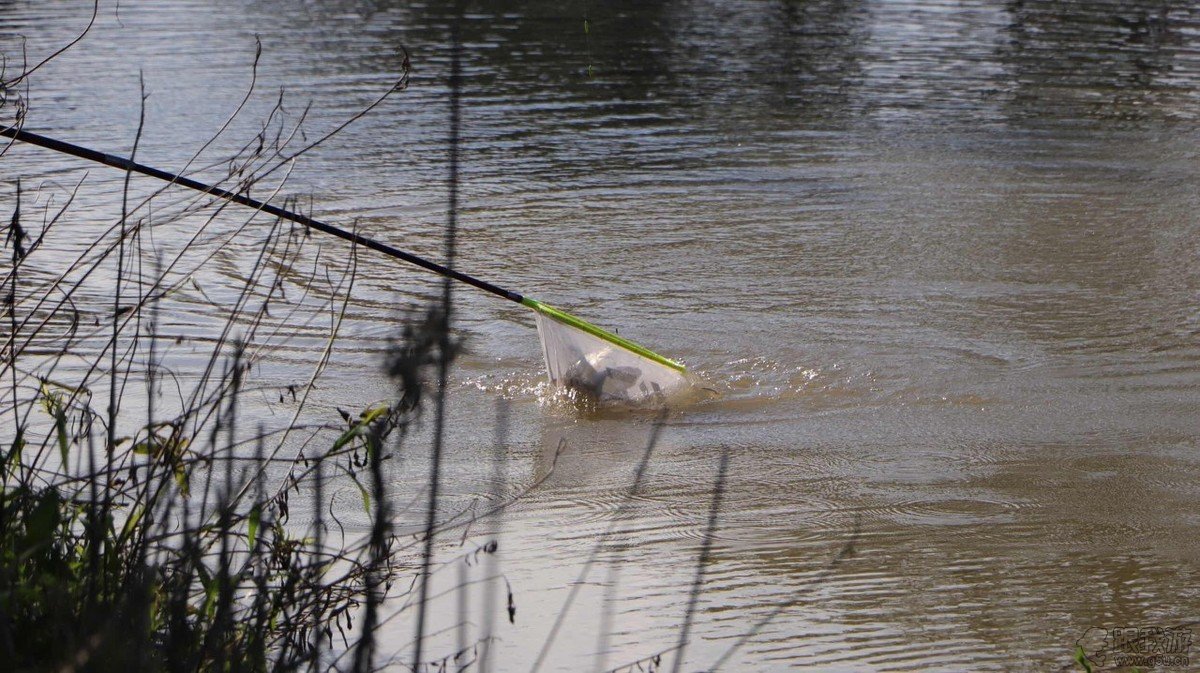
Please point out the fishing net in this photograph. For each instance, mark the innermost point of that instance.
(602, 366)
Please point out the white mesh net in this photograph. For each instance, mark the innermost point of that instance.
(602, 370)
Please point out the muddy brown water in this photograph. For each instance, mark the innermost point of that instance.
(939, 259)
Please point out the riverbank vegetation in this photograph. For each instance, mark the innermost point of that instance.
(144, 522)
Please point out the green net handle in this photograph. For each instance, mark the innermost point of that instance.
(567, 318)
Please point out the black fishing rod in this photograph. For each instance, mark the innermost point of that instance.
(391, 251)
(174, 178)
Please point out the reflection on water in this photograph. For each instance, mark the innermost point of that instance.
(938, 260)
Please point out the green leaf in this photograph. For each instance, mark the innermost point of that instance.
(182, 480)
(13, 458)
(60, 427)
(370, 414)
(253, 523)
(45, 397)
(53, 404)
(366, 495)
(41, 522)
(1081, 658)
(359, 428)
(209, 607)
(210, 600)
(348, 435)
(131, 524)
